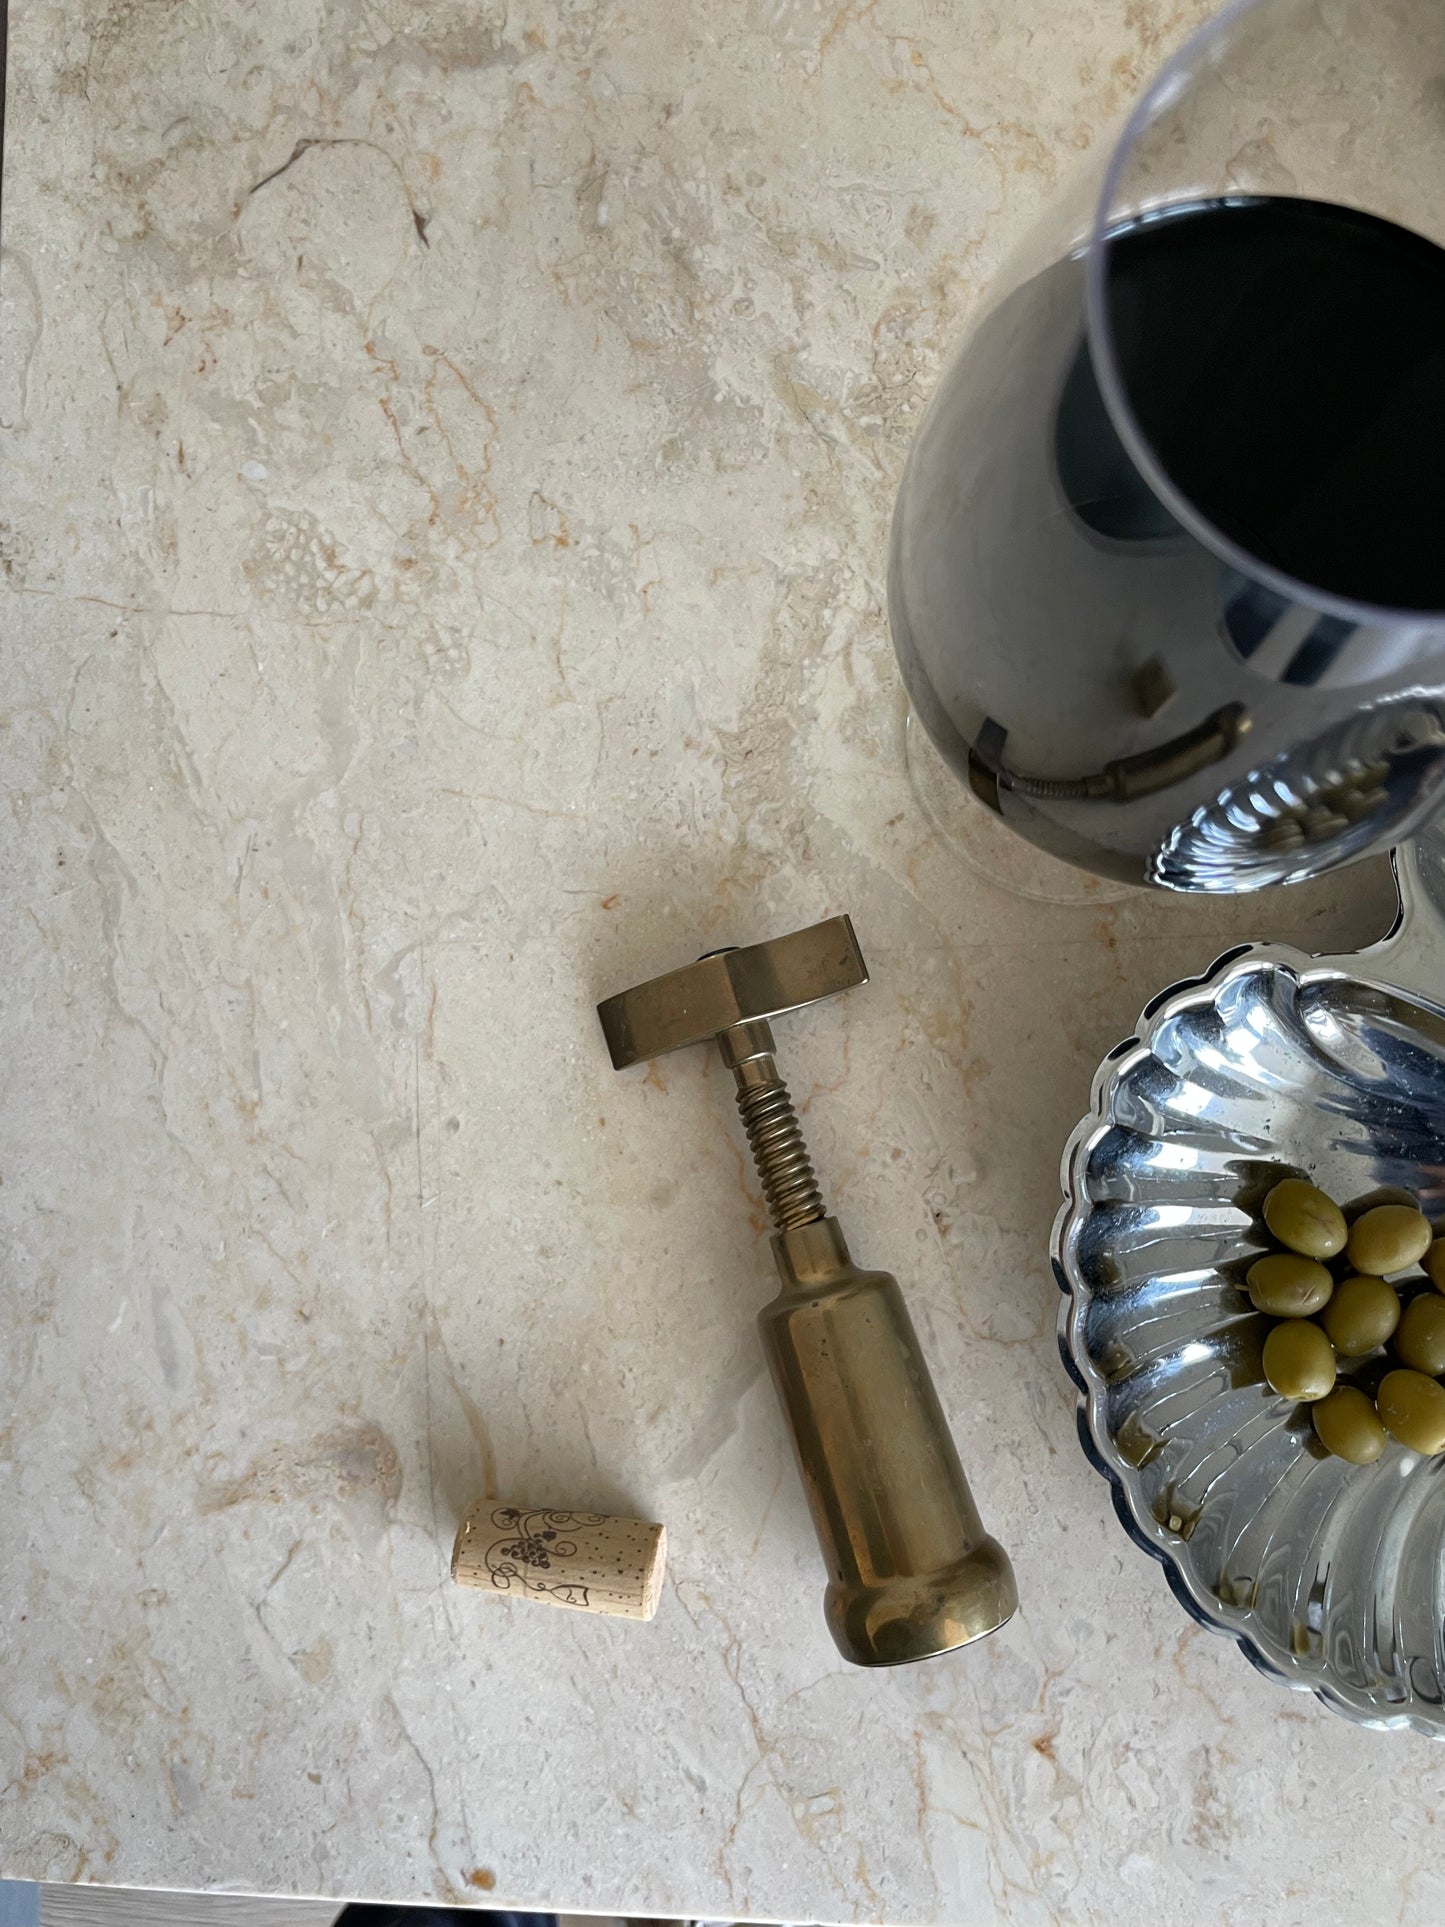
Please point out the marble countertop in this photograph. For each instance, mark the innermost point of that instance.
(447, 452)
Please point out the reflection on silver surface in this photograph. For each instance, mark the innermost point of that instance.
(1330, 1576)
(1375, 775)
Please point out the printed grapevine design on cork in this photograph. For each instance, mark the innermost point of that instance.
(532, 1545)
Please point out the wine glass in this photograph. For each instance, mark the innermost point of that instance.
(1167, 580)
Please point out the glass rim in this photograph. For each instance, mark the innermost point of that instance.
(1181, 65)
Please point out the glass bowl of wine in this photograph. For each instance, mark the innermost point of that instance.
(1167, 578)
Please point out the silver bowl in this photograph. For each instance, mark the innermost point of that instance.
(1331, 1577)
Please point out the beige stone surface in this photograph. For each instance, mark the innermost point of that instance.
(447, 452)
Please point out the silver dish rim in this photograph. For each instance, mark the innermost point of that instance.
(1392, 966)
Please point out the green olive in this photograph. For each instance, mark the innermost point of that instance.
(1420, 1339)
(1361, 1315)
(1302, 1217)
(1412, 1409)
(1288, 1286)
(1389, 1238)
(1347, 1424)
(1434, 1263)
(1299, 1361)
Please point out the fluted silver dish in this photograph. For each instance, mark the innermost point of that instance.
(1331, 1577)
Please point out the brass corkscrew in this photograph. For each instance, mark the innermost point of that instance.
(911, 1570)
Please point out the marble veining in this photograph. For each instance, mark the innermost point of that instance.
(447, 452)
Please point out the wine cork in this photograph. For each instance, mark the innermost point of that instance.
(580, 1559)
